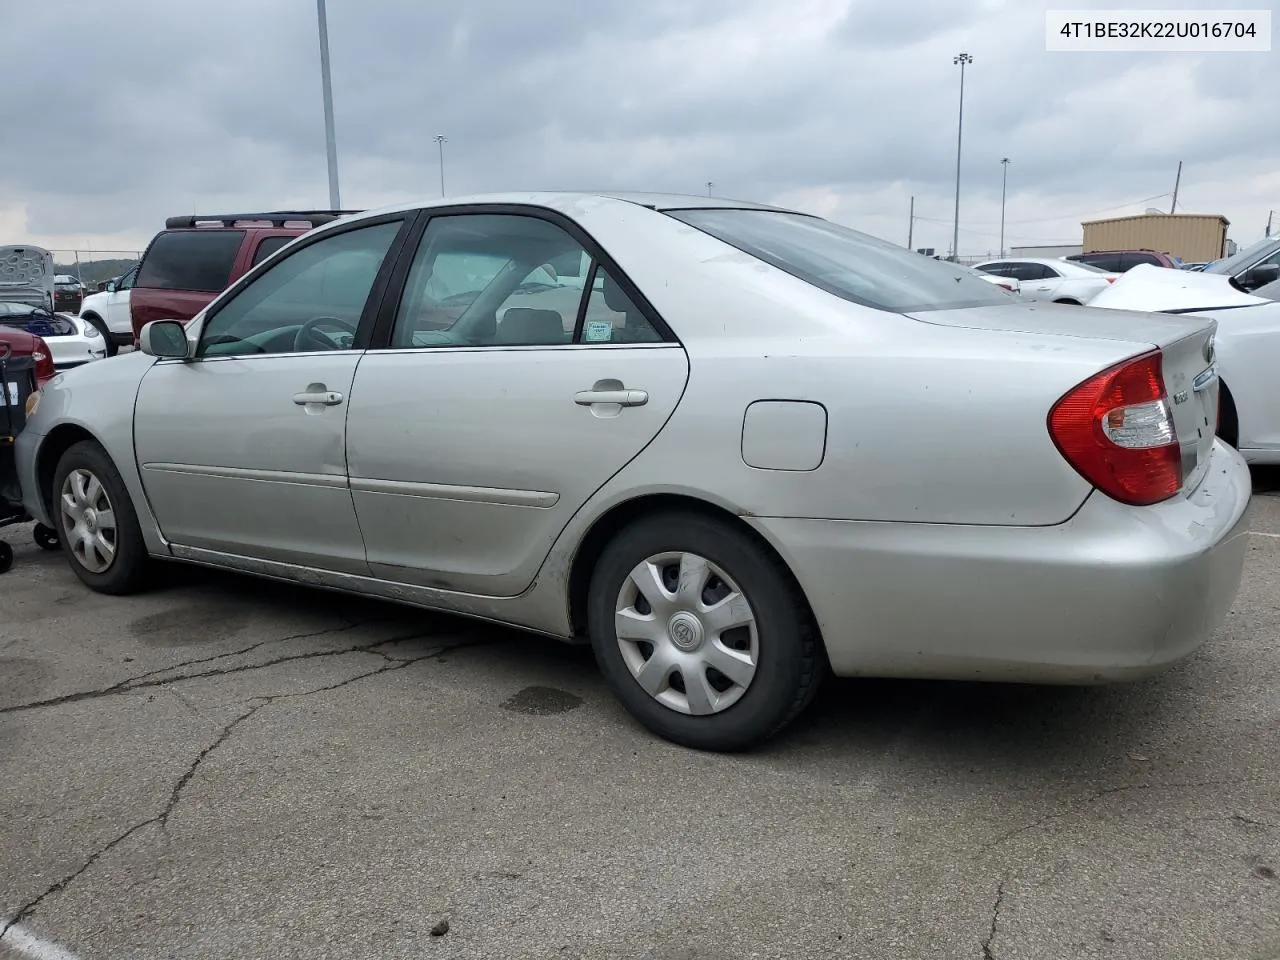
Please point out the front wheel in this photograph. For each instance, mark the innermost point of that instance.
(701, 633)
(99, 528)
(98, 324)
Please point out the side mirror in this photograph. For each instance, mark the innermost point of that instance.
(1260, 276)
(109, 286)
(165, 340)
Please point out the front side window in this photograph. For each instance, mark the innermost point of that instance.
(846, 263)
(311, 300)
(190, 260)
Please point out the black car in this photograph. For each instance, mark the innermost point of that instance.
(68, 294)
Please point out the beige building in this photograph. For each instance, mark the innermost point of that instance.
(1195, 237)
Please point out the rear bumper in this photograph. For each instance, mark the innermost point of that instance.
(1115, 593)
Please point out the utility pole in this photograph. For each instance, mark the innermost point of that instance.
(1270, 214)
(911, 224)
(440, 142)
(330, 141)
(1004, 183)
(960, 60)
(1176, 183)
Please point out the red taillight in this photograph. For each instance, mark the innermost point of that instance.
(45, 369)
(1117, 430)
(1111, 279)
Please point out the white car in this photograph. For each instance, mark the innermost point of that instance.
(1062, 281)
(1246, 346)
(71, 340)
(1005, 283)
(108, 310)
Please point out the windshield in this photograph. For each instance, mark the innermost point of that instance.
(844, 262)
(1233, 265)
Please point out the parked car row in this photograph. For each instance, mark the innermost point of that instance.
(732, 447)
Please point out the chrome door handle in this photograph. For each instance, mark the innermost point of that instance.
(328, 397)
(625, 398)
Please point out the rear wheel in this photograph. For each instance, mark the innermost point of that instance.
(701, 633)
(45, 537)
(99, 528)
(6, 557)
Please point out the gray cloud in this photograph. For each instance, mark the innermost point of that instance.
(165, 107)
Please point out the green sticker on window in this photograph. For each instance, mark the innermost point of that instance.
(598, 330)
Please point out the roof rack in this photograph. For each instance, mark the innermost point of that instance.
(276, 218)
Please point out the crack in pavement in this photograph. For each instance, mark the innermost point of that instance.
(1077, 805)
(180, 786)
(140, 683)
(987, 953)
(237, 653)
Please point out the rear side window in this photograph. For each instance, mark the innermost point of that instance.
(846, 263)
(267, 247)
(1113, 262)
(1131, 260)
(190, 260)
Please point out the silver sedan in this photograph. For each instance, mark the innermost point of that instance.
(735, 448)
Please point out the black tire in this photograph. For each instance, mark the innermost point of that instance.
(6, 557)
(45, 537)
(1228, 419)
(790, 664)
(130, 568)
(96, 321)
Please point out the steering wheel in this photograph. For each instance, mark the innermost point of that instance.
(309, 337)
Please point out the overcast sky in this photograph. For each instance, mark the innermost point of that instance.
(119, 113)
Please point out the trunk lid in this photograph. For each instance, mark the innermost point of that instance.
(26, 275)
(1185, 342)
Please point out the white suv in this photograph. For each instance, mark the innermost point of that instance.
(109, 312)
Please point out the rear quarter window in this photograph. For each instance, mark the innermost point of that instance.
(851, 265)
(190, 260)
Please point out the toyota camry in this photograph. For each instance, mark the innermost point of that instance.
(735, 448)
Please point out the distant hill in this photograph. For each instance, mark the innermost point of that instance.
(95, 271)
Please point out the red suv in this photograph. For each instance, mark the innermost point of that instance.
(193, 259)
(1120, 261)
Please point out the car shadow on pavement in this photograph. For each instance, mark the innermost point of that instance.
(1025, 730)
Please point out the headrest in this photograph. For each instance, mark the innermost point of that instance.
(525, 325)
(615, 298)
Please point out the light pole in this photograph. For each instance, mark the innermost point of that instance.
(962, 60)
(1004, 182)
(440, 142)
(330, 142)
(709, 186)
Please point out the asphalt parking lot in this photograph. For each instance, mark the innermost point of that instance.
(226, 768)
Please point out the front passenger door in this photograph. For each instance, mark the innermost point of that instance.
(242, 450)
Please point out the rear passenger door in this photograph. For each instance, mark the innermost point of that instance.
(496, 400)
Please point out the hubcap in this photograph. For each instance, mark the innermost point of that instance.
(687, 633)
(88, 521)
